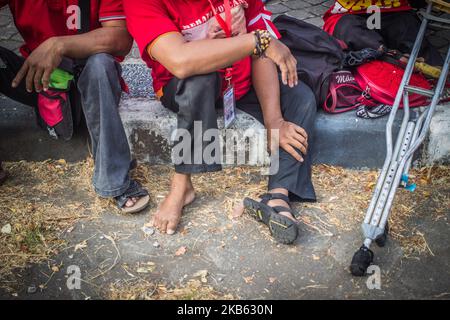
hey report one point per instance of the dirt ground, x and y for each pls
(52, 223)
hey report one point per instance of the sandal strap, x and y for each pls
(274, 196)
(279, 209)
(279, 196)
(135, 190)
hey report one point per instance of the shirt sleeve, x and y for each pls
(146, 21)
(111, 10)
(259, 18)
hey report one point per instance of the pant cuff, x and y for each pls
(112, 193)
(308, 195)
(197, 168)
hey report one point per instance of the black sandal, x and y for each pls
(135, 190)
(283, 229)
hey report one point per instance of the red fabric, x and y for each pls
(382, 80)
(148, 19)
(341, 7)
(50, 108)
(52, 17)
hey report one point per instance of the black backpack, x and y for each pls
(318, 54)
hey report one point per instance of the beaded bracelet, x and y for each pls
(263, 39)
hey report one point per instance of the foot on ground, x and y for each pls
(168, 215)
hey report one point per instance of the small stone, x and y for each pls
(6, 229)
(102, 237)
(31, 289)
(220, 279)
(149, 231)
(156, 244)
(71, 256)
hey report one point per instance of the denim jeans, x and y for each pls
(100, 90)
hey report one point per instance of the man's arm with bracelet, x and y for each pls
(185, 59)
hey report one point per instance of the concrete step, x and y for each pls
(342, 140)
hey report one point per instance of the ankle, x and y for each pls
(181, 183)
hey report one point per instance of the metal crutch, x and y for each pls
(412, 133)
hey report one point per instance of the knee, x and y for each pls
(205, 83)
(100, 64)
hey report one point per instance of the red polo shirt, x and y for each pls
(341, 7)
(38, 20)
(149, 19)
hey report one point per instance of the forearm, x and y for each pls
(267, 88)
(203, 56)
(113, 40)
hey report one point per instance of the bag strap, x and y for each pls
(333, 95)
(85, 8)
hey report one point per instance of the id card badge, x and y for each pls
(229, 107)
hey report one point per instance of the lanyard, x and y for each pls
(226, 26)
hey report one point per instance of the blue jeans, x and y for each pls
(99, 86)
(100, 90)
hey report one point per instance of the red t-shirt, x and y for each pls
(341, 7)
(38, 20)
(148, 19)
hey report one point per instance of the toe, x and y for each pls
(129, 203)
(156, 220)
(172, 227)
(163, 226)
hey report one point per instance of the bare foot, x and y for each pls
(169, 213)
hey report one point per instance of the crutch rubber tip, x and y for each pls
(381, 240)
(361, 261)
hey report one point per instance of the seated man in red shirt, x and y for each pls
(48, 42)
(347, 20)
(180, 42)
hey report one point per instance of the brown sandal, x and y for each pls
(135, 190)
